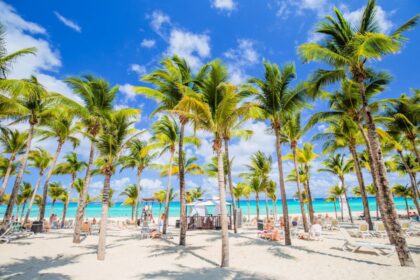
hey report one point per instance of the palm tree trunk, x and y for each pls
(47, 181)
(341, 208)
(266, 206)
(359, 175)
(249, 216)
(347, 199)
(66, 204)
(257, 201)
(23, 211)
(17, 212)
(52, 206)
(19, 177)
(104, 216)
(406, 207)
(390, 214)
(377, 210)
(182, 195)
(31, 202)
(229, 175)
(168, 189)
(223, 216)
(413, 182)
(139, 172)
(335, 210)
(132, 212)
(416, 151)
(301, 202)
(309, 194)
(7, 175)
(83, 197)
(287, 238)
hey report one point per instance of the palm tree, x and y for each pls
(256, 186)
(13, 143)
(64, 197)
(98, 97)
(292, 133)
(71, 166)
(337, 191)
(343, 132)
(238, 192)
(271, 192)
(336, 165)
(55, 191)
(25, 101)
(111, 143)
(197, 193)
(7, 60)
(61, 127)
(275, 99)
(190, 167)
(173, 80)
(139, 157)
(41, 159)
(371, 190)
(349, 49)
(4, 165)
(247, 194)
(132, 197)
(25, 194)
(160, 196)
(79, 186)
(333, 198)
(403, 191)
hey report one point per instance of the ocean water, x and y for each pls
(119, 210)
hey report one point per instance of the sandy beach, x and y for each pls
(53, 256)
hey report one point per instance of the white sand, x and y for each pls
(53, 256)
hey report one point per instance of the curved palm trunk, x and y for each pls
(139, 172)
(23, 210)
(7, 175)
(406, 207)
(19, 177)
(52, 206)
(47, 181)
(335, 210)
(223, 215)
(341, 209)
(309, 195)
(168, 189)
(104, 217)
(257, 201)
(359, 175)
(267, 214)
(301, 202)
(287, 238)
(347, 199)
(83, 197)
(182, 196)
(413, 182)
(393, 227)
(31, 202)
(66, 204)
(229, 175)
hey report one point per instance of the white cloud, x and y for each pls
(54, 85)
(192, 47)
(151, 185)
(139, 69)
(128, 91)
(158, 20)
(12, 20)
(69, 23)
(226, 5)
(383, 22)
(286, 8)
(148, 43)
(240, 58)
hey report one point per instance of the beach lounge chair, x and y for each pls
(363, 231)
(354, 245)
(86, 229)
(145, 230)
(380, 230)
(15, 231)
(334, 225)
(408, 229)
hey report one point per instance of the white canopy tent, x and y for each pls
(202, 208)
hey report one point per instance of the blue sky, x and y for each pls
(121, 42)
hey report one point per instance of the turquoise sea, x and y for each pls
(119, 210)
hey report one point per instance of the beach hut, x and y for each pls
(206, 214)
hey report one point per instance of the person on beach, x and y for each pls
(94, 221)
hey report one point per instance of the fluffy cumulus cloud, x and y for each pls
(69, 23)
(224, 5)
(193, 47)
(158, 20)
(148, 43)
(240, 58)
(128, 91)
(139, 69)
(383, 21)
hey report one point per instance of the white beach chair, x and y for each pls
(354, 245)
(380, 230)
(363, 231)
(334, 225)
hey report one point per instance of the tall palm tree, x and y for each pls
(238, 192)
(336, 165)
(404, 192)
(13, 143)
(64, 197)
(78, 186)
(247, 195)
(4, 165)
(292, 133)
(160, 196)
(349, 49)
(55, 191)
(256, 186)
(98, 97)
(276, 99)
(337, 191)
(190, 167)
(197, 193)
(72, 165)
(41, 159)
(343, 133)
(25, 194)
(333, 198)
(271, 192)
(114, 139)
(61, 127)
(131, 194)
(25, 101)
(139, 157)
(7, 60)
(172, 81)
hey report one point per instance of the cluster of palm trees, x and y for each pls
(207, 101)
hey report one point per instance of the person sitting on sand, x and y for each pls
(154, 233)
(315, 232)
(94, 221)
